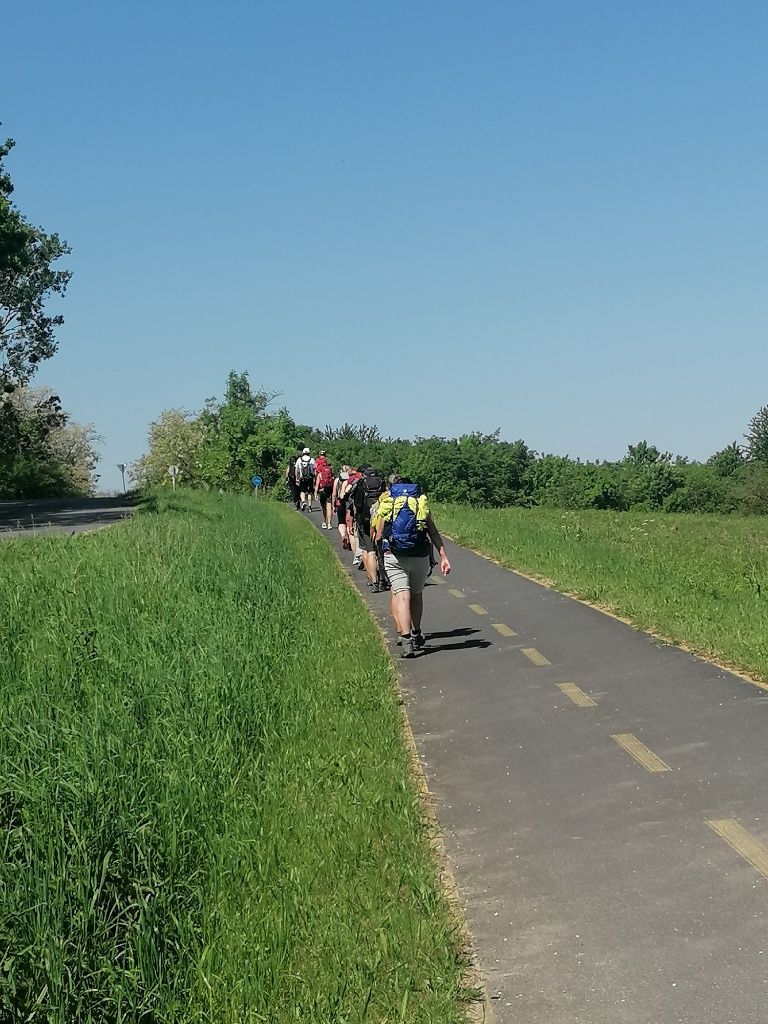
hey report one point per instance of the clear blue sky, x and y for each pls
(438, 217)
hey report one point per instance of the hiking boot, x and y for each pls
(408, 648)
(418, 639)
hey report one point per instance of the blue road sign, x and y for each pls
(256, 481)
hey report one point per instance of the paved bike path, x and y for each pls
(612, 858)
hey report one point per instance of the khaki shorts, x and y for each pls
(406, 572)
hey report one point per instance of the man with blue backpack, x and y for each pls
(407, 532)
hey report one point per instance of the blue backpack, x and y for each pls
(407, 518)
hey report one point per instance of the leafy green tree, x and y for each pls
(43, 453)
(175, 439)
(241, 437)
(728, 461)
(702, 489)
(757, 436)
(751, 489)
(27, 281)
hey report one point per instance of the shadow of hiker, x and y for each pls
(467, 645)
(463, 631)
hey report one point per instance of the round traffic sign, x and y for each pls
(256, 481)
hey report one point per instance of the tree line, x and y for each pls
(43, 452)
(232, 438)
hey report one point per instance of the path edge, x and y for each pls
(476, 1011)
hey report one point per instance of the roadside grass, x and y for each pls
(205, 798)
(701, 580)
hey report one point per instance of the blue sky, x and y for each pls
(550, 218)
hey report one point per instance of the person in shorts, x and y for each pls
(340, 506)
(324, 481)
(407, 572)
(352, 533)
(305, 478)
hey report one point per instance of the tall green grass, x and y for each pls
(697, 579)
(205, 800)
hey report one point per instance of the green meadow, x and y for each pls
(701, 580)
(206, 801)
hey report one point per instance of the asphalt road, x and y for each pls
(604, 803)
(75, 515)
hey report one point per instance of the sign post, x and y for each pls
(173, 472)
(256, 481)
(122, 466)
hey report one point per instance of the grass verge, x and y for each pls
(697, 580)
(205, 797)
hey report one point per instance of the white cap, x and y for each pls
(305, 452)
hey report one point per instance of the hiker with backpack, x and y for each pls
(290, 479)
(364, 497)
(305, 478)
(347, 496)
(340, 506)
(408, 533)
(324, 481)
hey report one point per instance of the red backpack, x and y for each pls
(325, 475)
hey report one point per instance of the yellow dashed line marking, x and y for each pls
(504, 630)
(743, 842)
(641, 753)
(533, 655)
(456, 593)
(478, 609)
(577, 695)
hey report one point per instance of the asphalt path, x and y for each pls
(73, 515)
(604, 804)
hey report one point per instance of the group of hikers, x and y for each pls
(386, 524)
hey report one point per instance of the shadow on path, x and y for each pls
(463, 631)
(467, 645)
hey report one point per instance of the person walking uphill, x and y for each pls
(408, 532)
(305, 478)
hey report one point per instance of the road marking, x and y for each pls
(504, 630)
(641, 753)
(478, 609)
(577, 696)
(456, 593)
(533, 655)
(743, 842)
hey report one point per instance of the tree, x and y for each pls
(728, 461)
(27, 281)
(757, 436)
(241, 437)
(175, 439)
(43, 452)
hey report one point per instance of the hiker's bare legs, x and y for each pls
(401, 611)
